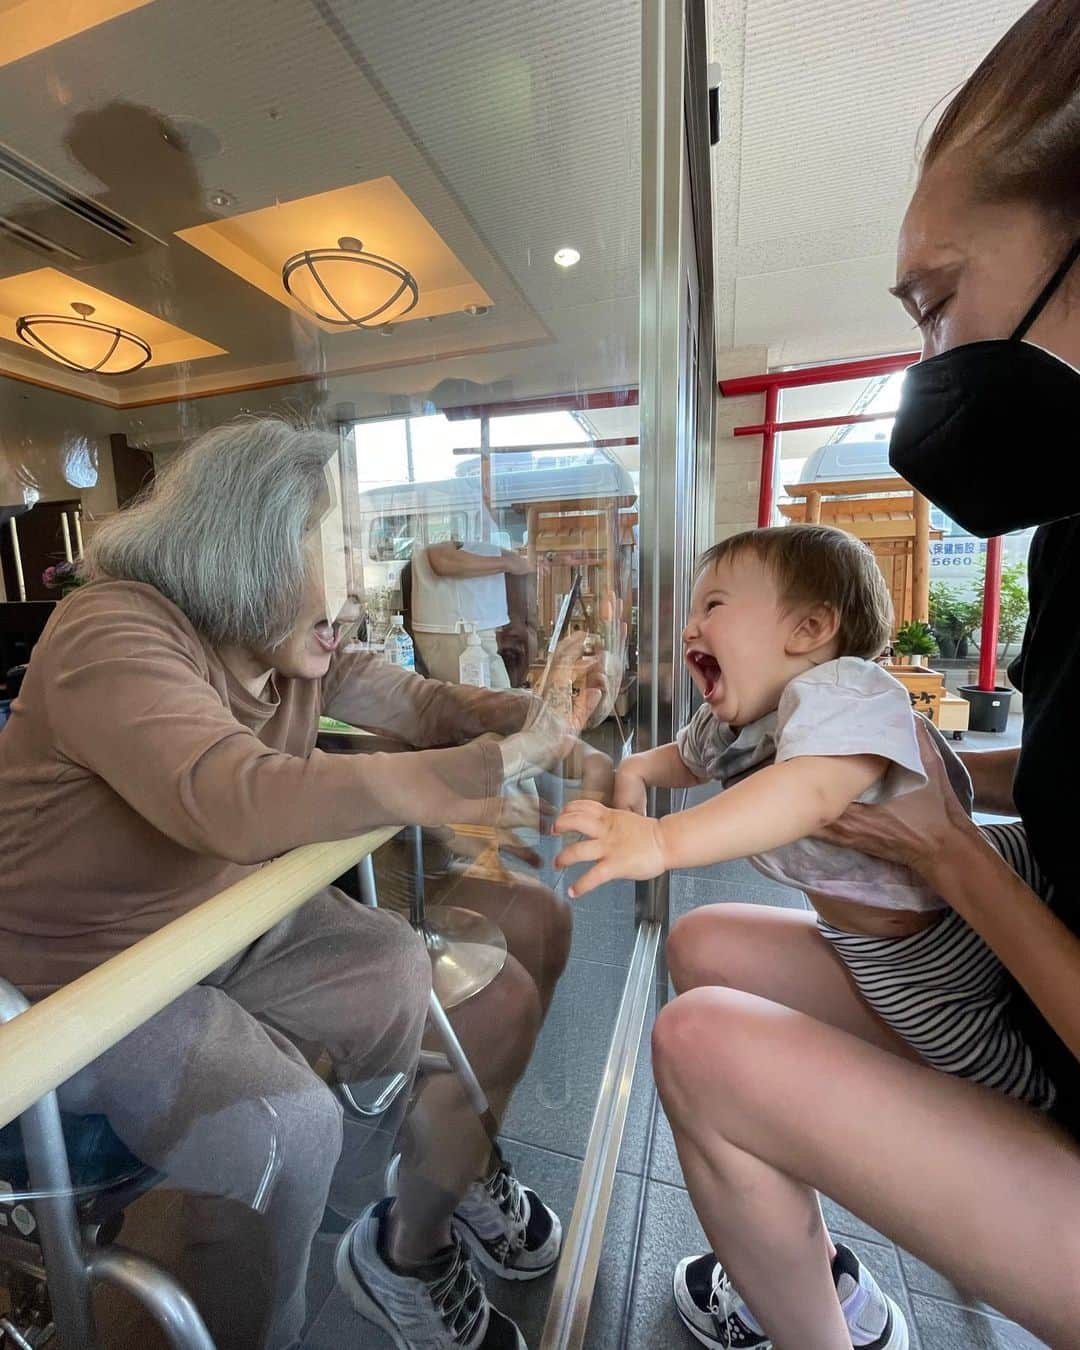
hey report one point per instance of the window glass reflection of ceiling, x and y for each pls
(509, 128)
(28, 26)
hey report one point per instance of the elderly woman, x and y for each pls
(776, 1075)
(163, 747)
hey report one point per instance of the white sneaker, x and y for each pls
(507, 1227)
(441, 1307)
(714, 1314)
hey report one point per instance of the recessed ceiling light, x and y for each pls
(476, 311)
(222, 198)
(567, 257)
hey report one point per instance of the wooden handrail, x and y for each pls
(65, 1032)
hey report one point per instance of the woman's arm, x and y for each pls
(364, 691)
(929, 832)
(773, 807)
(992, 773)
(129, 700)
(1034, 945)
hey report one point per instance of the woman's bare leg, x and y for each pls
(780, 955)
(767, 1103)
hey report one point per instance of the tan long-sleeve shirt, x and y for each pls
(138, 777)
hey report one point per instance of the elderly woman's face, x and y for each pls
(324, 613)
(967, 270)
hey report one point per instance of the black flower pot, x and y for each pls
(989, 709)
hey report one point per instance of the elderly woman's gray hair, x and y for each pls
(222, 531)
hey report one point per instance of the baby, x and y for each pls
(797, 723)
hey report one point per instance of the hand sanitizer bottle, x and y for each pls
(398, 650)
(474, 664)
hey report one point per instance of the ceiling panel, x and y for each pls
(823, 103)
(511, 127)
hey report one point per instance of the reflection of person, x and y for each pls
(774, 1071)
(455, 583)
(162, 748)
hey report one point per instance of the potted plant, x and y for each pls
(953, 620)
(915, 642)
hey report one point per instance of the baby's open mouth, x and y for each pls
(708, 668)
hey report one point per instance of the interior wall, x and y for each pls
(54, 446)
(738, 458)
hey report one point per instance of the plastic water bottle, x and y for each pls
(474, 664)
(398, 649)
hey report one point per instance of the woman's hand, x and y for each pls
(620, 844)
(916, 829)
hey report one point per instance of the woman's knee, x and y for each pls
(708, 1037)
(699, 947)
(304, 1136)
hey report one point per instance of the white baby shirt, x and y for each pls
(844, 707)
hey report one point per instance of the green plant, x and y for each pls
(952, 618)
(1012, 617)
(915, 639)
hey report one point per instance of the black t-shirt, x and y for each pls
(1047, 672)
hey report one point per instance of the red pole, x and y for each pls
(802, 375)
(767, 490)
(811, 423)
(991, 611)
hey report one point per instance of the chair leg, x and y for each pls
(170, 1305)
(70, 1267)
(459, 1062)
(454, 1050)
(58, 1225)
(365, 873)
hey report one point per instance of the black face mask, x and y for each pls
(979, 427)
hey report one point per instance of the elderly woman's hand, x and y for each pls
(916, 829)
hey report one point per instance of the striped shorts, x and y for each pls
(946, 993)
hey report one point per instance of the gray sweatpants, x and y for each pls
(216, 1093)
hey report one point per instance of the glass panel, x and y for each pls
(345, 216)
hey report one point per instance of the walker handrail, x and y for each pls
(66, 1031)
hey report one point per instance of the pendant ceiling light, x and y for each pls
(83, 344)
(349, 287)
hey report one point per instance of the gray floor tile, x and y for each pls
(665, 1161)
(611, 1297)
(604, 924)
(740, 872)
(924, 1279)
(944, 1326)
(554, 1103)
(670, 1231)
(634, 1151)
(691, 892)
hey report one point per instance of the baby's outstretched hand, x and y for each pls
(619, 843)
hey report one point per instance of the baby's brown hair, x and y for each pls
(819, 565)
